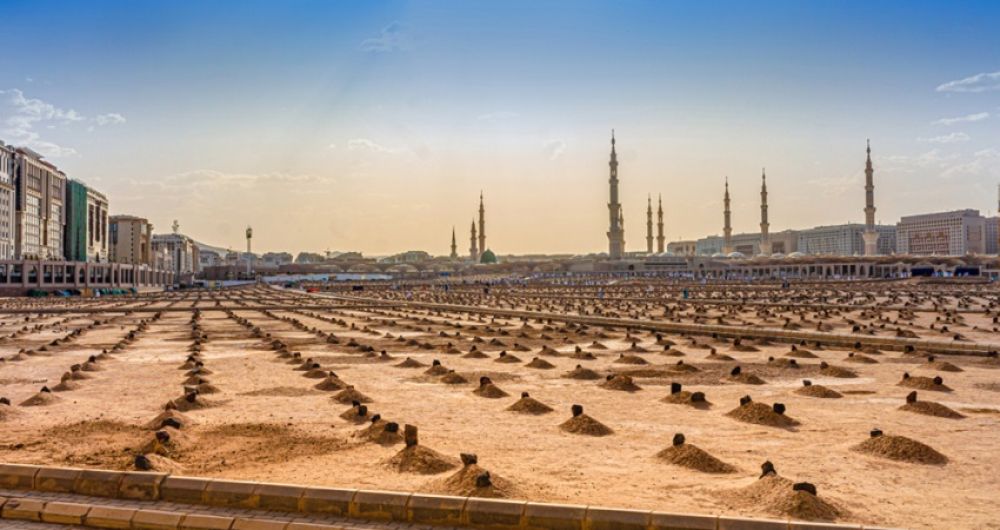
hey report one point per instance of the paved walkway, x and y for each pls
(193, 509)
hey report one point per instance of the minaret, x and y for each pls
(659, 227)
(482, 224)
(727, 227)
(765, 237)
(454, 245)
(649, 224)
(473, 249)
(616, 230)
(870, 236)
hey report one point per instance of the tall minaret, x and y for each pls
(649, 224)
(765, 237)
(659, 227)
(616, 230)
(454, 245)
(870, 236)
(473, 249)
(482, 224)
(727, 227)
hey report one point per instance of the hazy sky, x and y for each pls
(373, 126)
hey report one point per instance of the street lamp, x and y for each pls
(249, 255)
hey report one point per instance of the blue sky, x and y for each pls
(374, 125)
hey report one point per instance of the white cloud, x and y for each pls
(984, 163)
(982, 82)
(979, 116)
(951, 138)
(392, 38)
(112, 118)
(364, 144)
(24, 115)
(555, 149)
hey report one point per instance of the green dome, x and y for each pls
(488, 257)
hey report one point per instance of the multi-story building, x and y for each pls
(86, 230)
(682, 248)
(39, 217)
(7, 170)
(845, 240)
(953, 233)
(181, 250)
(131, 240)
(748, 244)
(992, 235)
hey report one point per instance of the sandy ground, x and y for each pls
(267, 422)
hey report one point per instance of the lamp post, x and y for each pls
(249, 254)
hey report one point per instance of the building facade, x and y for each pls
(992, 235)
(953, 233)
(845, 240)
(40, 189)
(86, 231)
(130, 240)
(179, 252)
(6, 202)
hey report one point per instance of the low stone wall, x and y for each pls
(390, 507)
(840, 340)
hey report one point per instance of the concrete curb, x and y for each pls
(388, 506)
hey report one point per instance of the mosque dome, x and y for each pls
(488, 257)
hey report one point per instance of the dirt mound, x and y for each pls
(42, 398)
(776, 495)
(931, 408)
(620, 382)
(830, 370)
(681, 366)
(684, 397)
(176, 418)
(745, 378)
(92, 443)
(475, 354)
(332, 382)
(66, 384)
(693, 457)
(582, 373)
(453, 378)
(279, 391)
(489, 390)
(941, 366)
(529, 405)
(799, 353)
(7, 412)
(902, 449)
(860, 359)
(192, 401)
(584, 424)
(381, 432)
(818, 391)
(716, 356)
(761, 414)
(920, 382)
(673, 352)
(630, 359)
(505, 357)
(420, 460)
(474, 481)
(158, 463)
(350, 395)
(436, 369)
(410, 362)
(540, 363)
